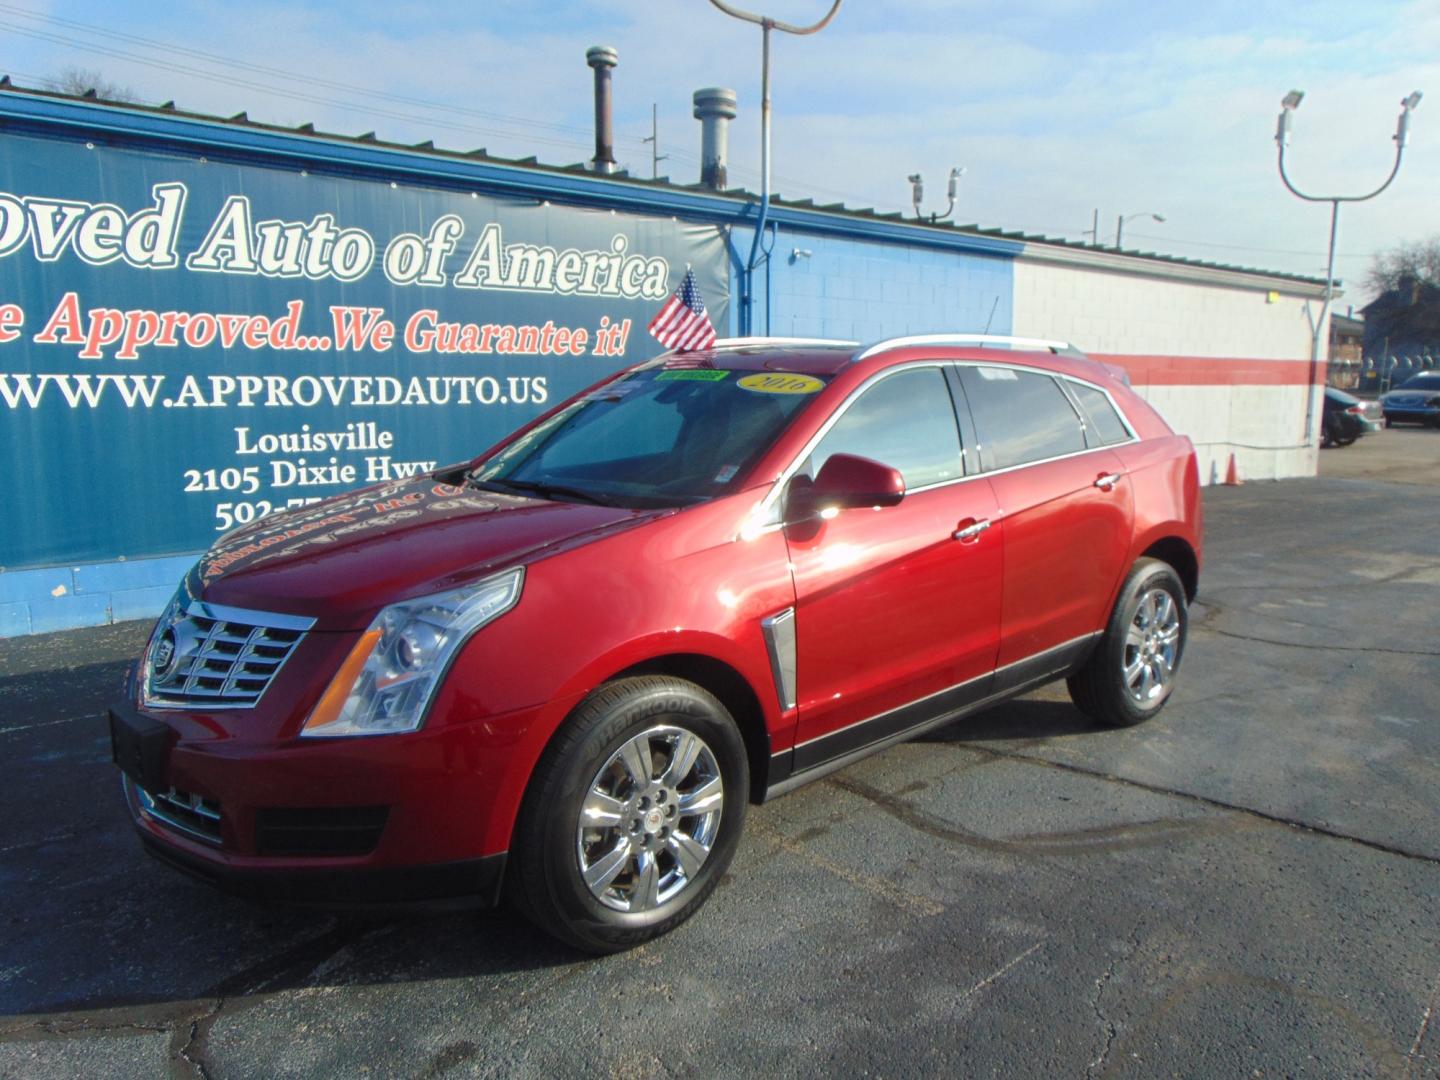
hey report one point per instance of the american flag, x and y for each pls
(682, 323)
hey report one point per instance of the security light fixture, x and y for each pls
(952, 189)
(1288, 104)
(1402, 125)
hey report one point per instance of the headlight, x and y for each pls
(390, 676)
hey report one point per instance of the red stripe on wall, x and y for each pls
(1211, 370)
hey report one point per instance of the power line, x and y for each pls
(1244, 247)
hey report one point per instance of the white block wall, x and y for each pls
(1210, 316)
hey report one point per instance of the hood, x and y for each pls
(1410, 397)
(340, 560)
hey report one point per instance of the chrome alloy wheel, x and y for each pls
(1152, 643)
(649, 819)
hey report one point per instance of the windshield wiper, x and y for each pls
(545, 490)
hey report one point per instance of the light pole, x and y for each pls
(1120, 223)
(1288, 105)
(766, 24)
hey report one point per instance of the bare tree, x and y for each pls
(1418, 260)
(80, 81)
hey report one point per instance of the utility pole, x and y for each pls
(655, 156)
(1094, 231)
(1288, 105)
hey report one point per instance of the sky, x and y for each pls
(1055, 108)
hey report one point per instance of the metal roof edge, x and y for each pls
(47, 113)
(1175, 269)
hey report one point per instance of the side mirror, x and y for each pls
(846, 482)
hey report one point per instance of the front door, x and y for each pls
(897, 616)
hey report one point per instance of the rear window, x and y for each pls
(1104, 421)
(1020, 416)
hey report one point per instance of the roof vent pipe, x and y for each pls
(714, 108)
(602, 58)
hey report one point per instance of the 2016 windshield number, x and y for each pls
(244, 480)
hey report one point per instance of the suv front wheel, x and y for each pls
(632, 816)
(1131, 673)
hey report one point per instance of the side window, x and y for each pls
(1104, 420)
(905, 421)
(1020, 416)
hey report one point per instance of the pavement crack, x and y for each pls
(1107, 1025)
(68, 1028)
(192, 1052)
(1425, 1018)
(1219, 804)
(998, 973)
(1256, 639)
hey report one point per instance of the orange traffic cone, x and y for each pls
(1232, 474)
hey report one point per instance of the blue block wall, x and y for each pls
(864, 290)
(94, 594)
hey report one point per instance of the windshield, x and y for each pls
(1428, 380)
(655, 437)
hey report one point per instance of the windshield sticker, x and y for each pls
(615, 391)
(781, 384)
(998, 374)
(693, 375)
(726, 474)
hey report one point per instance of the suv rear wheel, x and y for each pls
(1129, 676)
(632, 815)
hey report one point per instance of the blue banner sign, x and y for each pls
(189, 345)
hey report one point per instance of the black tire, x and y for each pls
(1100, 689)
(544, 880)
(1346, 441)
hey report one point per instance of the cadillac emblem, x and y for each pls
(164, 658)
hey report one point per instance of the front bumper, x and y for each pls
(1412, 414)
(378, 820)
(465, 883)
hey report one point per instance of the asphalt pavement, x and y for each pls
(1246, 886)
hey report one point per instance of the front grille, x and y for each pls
(217, 658)
(321, 830)
(182, 811)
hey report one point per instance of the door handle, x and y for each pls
(969, 532)
(1107, 481)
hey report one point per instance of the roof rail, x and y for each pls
(1060, 348)
(738, 342)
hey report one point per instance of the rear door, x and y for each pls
(1067, 510)
(896, 617)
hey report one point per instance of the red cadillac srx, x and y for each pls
(560, 671)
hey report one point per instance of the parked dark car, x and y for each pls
(1415, 401)
(562, 670)
(1345, 419)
